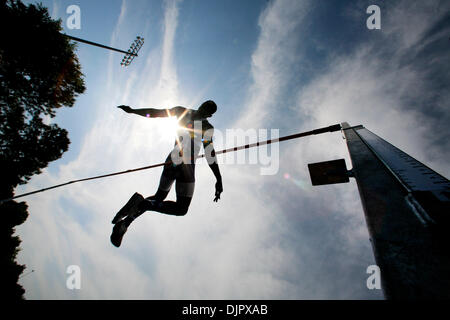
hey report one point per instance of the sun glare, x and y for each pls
(171, 127)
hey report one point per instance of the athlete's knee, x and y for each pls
(183, 205)
(183, 210)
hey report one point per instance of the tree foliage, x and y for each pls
(39, 73)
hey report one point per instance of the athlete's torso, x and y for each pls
(191, 135)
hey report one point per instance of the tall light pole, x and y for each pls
(129, 55)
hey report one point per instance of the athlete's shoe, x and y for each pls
(118, 231)
(130, 208)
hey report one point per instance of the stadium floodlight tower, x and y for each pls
(133, 51)
(129, 55)
(407, 211)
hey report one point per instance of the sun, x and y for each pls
(170, 127)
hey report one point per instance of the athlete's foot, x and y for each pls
(128, 208)
(118, 231)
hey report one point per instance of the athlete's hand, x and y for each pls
(127, 109)
(219, 190)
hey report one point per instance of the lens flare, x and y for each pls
(299, 183)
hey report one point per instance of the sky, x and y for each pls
(289, 65)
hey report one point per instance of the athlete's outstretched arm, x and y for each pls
(212, 162)
(153, 112)
(219, 188)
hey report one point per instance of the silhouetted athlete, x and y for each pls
(195, 131)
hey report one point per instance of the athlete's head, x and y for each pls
(207, 108)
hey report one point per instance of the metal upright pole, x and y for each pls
(404, 204)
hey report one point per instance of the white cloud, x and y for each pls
(272, 60)
(366, 88)
(55, 10)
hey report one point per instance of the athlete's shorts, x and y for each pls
(183, 175)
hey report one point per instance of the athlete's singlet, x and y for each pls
(193, 132)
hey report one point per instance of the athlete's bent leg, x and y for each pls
(165, 184)
(184, 190)
(178, 208)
